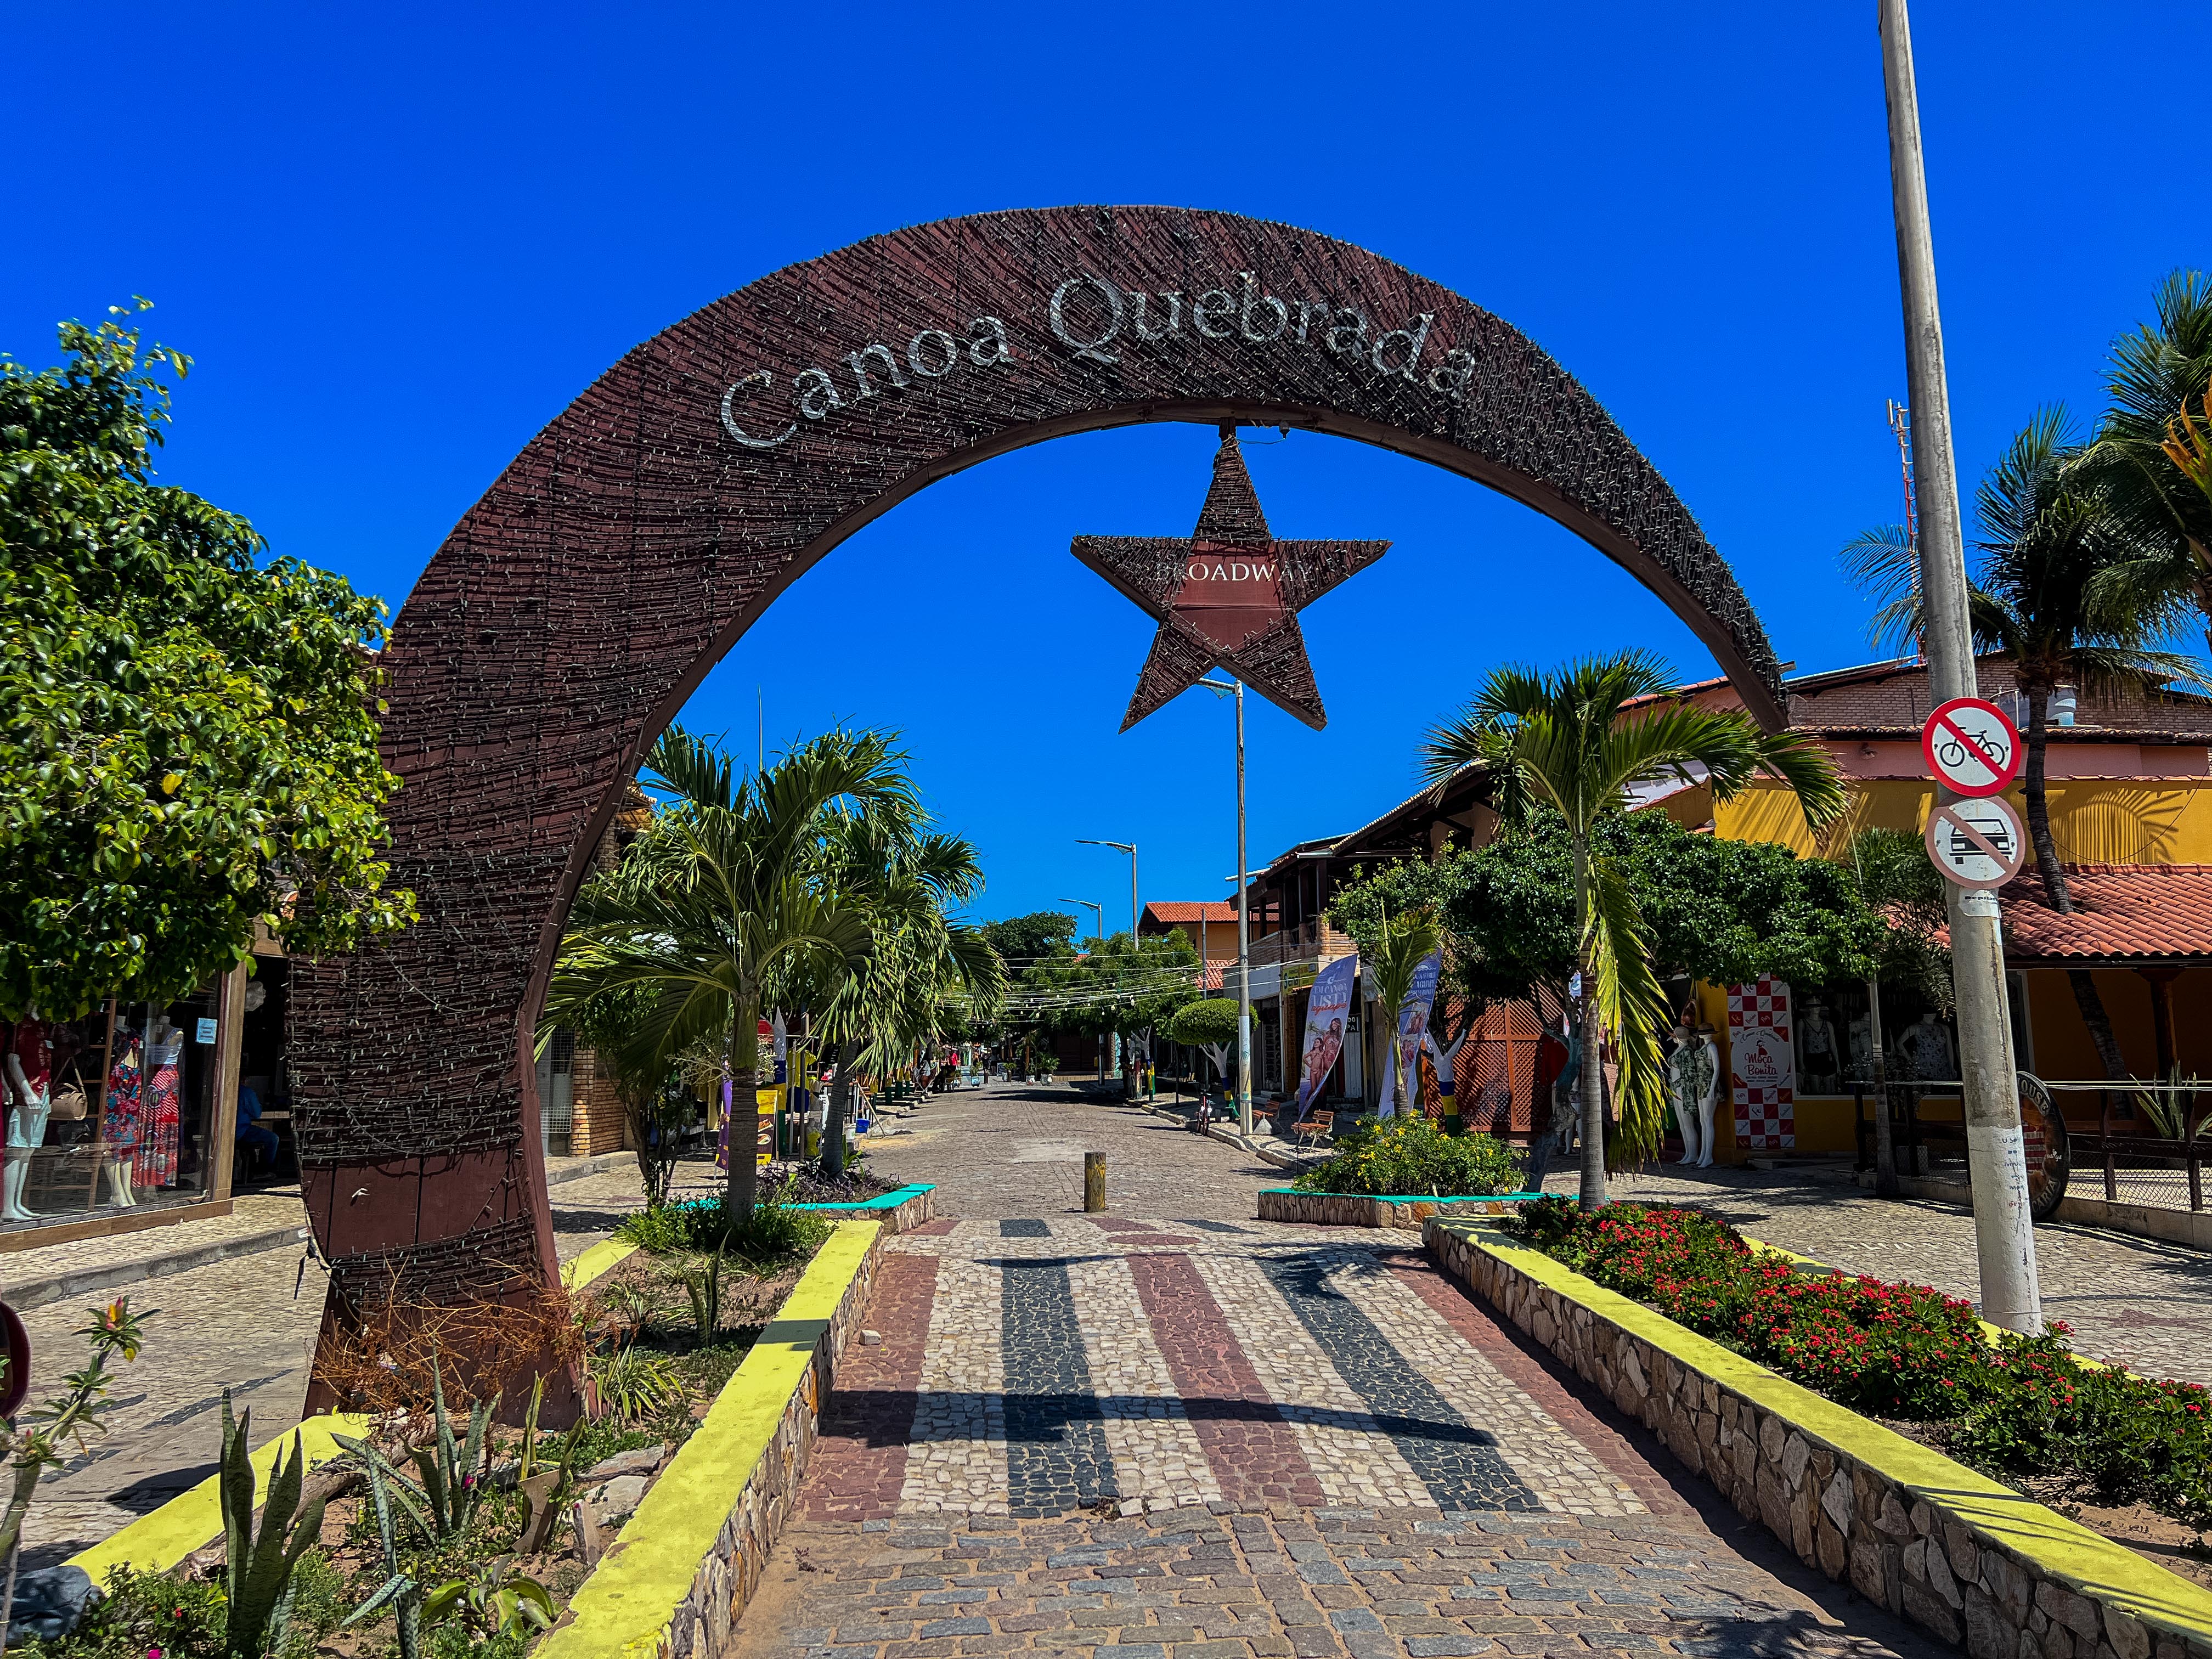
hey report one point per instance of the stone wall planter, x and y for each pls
(674, 1582)
(899, 1210)
(1359, 1210)
(1964, 1558)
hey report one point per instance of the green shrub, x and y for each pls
(634, 1382)
(1408, 1155)
(142, 1612)
(776, 1233)
(2022, 1404)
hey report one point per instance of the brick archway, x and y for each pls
(575, 608)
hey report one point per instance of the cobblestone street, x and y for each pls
(1016, 1150)
(2136, 1300)
(1203, 1436)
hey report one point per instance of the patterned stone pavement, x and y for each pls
(2138, 1301)
(1098, 1437)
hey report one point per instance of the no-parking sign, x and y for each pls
(1979, 844)
(1971, 745)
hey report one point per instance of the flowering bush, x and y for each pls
(1408, 1155)
(2021, 1404)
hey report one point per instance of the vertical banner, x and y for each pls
(1413, 1027)
(1328, 1015)
(1763, 1065)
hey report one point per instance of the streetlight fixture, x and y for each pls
(1223, 688)
(1130, 847)
(1100, 911)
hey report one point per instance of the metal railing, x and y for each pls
(2149, 1145)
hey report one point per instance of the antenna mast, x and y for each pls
(1900, 422)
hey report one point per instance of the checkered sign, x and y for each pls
(1763, 1065)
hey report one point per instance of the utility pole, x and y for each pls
(1125, 1047)
(2004, 1234)
(1244, 925)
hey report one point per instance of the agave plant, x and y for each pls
(452, 1471)
(399, 1591)
(257, 1571)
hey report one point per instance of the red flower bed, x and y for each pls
(2021, 1404)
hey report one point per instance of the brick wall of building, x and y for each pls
(599, 1126)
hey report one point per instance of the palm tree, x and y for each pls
(2149, 460)
(2054, 593)
(722, 904)
(1399, 949)
(1570, 738)
(922, 960)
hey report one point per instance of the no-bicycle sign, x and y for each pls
(1971, 745)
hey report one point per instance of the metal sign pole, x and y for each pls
(2004, 1236)
(1243, 944)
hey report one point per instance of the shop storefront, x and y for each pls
(143, 1113)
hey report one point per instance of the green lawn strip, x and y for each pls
(2054, 1546)
(625, 1606)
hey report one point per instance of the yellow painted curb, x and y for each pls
(2084, 1561)
(625, 1605)
(602, 1257)
(156, 1542)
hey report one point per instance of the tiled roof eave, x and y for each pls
(2060, 735)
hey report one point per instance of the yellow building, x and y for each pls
(2130, 795)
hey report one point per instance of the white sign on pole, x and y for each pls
(1977, 843)
(1971, 745)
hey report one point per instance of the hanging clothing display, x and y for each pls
(155, 1164)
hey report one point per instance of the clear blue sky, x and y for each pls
(400, 240)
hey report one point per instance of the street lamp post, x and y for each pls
(1244, 928)
(2004, 1236)
(1100, 911)
(1129, 1072)
(1130, 847)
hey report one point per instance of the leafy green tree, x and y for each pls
(715, 902)
(2053, 593)
(1892, 874)
(1721, 911)
(1570, 741)
(187, 744)
(1022, 942)
(1120, 987)
(1210, 1027)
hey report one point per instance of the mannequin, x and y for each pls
(119, 1123)
(1821, 1065)
(1926, 1047)
(1694, 1075)
(30, 1076)
(155, 1164)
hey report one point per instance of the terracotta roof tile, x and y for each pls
(2121, 912)
(1173, 911)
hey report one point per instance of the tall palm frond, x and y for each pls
(1580, 740)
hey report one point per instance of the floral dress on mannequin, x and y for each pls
(156, 1163)
(119, 1127)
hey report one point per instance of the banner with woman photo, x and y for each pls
(1328, 1016)
(1412, 1026)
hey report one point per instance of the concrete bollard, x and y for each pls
(1094, 1183)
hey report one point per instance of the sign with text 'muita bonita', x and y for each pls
(1763, 1065)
